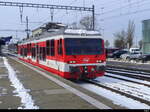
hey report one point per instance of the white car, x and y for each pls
(131, 56)
(134, 50)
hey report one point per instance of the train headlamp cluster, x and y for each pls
(72, 62)
(99, 61)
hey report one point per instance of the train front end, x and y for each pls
(85, 57)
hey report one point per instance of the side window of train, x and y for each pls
(44, 53)
(30, 47)
(33, 52)
(26, 52)
(40, 53)
(48, 47)
(52, 47)
(60, 47)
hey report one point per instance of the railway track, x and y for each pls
(115, 90)
(129, 73)
(115, 77)
(94, 82)
(129, 70)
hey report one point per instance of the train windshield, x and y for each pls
(86, 46)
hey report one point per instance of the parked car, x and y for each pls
(144, 57)
(134, 50)
(131, 56)
(110, 51)
(118, 53)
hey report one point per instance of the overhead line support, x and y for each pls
(18, 4)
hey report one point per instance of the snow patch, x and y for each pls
(116, 98)
(128, 78)
(81, 31)
(137, 90)
(26, 99)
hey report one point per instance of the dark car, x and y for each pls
(110, 51)
(118, 53)
(145, 57)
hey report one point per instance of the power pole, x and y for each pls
(52, 14)
(27, 26)
(93, 16)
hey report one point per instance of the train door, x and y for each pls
(59, 49)
(59, 54)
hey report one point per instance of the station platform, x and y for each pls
(47, 90)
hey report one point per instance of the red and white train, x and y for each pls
(72, 54)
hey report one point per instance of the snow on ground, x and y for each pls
(125, 72)
(132, 79)
(26, 99)
(116, 98)
(139, 63)
(137, 90)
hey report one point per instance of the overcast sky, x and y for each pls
(111, 15)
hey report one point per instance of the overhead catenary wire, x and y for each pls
(109, 2)
(125, 14)
(11, 30)
(56, 12)
(118, 9)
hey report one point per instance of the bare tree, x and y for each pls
(107, 43)
(130, 33)
(74, 25)
(86, 22)
(124, 39)
(120, 41)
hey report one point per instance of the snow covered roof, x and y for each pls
(81, 31)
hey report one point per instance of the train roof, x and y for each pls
(58, 29)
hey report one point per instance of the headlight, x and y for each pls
(72, 62)
(99, 61)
